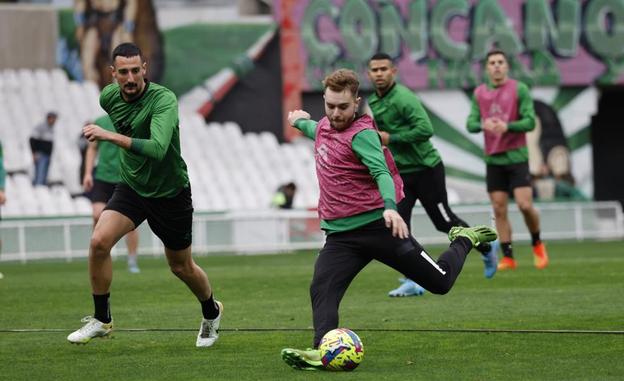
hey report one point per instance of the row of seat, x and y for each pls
(228, 169)
(25, 98)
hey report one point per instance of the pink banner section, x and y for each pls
(442, 44)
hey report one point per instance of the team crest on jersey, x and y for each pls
(495, 109)
(322, 151)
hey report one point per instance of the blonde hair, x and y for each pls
(341, 80)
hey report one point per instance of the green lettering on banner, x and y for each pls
(606, 37)
(441, 15)
(541, 32)
(393, 30)
(544, 68)
(433, 75)
(615, 68)
(518, 71)
(319, 53)
(603, 40)
(358, 27)
(459, 74)
(490, 26)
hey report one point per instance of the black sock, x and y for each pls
(507, 251)
(102, 308)
(209, 308)
(535, 238)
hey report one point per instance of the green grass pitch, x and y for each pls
(267, 308)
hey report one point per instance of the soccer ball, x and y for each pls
(341, 349)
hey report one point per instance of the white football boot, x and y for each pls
(92, 328)
(209, 329)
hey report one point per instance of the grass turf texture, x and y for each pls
(581, 290)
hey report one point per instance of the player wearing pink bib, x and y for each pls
(359, 190)
(503, 110)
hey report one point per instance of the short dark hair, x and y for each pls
(127, 49)
(381, 56)
(341, 80)
(494, 52)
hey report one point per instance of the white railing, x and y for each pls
(274, 231)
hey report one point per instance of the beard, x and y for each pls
(131, 90)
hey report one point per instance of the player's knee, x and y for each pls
(100, 245)
(500, 210)
(524, 206)
(180, 270)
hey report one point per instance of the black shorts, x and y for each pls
(506, 178)
(171, 219)
(102, 191)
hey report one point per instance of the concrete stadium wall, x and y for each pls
(28, 36)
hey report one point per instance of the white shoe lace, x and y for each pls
(90, 326)
(207, 328)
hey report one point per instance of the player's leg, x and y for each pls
(171, 219)
(184, 267)
(408, 287)
(336, 265)
(132, 244)
(111, 226)
(437, 276)
(500, 202)
(431, 188)
(97, 209)
(405, 206)
(101, 193)
(498, 186)
(433, 196)
(524, 200)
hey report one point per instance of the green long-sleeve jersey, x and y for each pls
(108, 155)
(525, 123)
(153, 166)
(400, 113)
(367, 148)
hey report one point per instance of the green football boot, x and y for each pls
(309, 359)
(476, 234)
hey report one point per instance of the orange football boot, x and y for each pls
(540, 256)
(507, 263)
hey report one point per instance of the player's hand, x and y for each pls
(500, 126)
(87, 182)
(395, 222)
(385, 138)
(488, 124)
(2, 197)
(295, 115)
(94, 132)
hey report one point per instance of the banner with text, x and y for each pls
(442, 44)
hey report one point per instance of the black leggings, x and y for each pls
(346, 254)
(429, 186)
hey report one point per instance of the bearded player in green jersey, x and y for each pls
(154, 186)
(406, 129)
